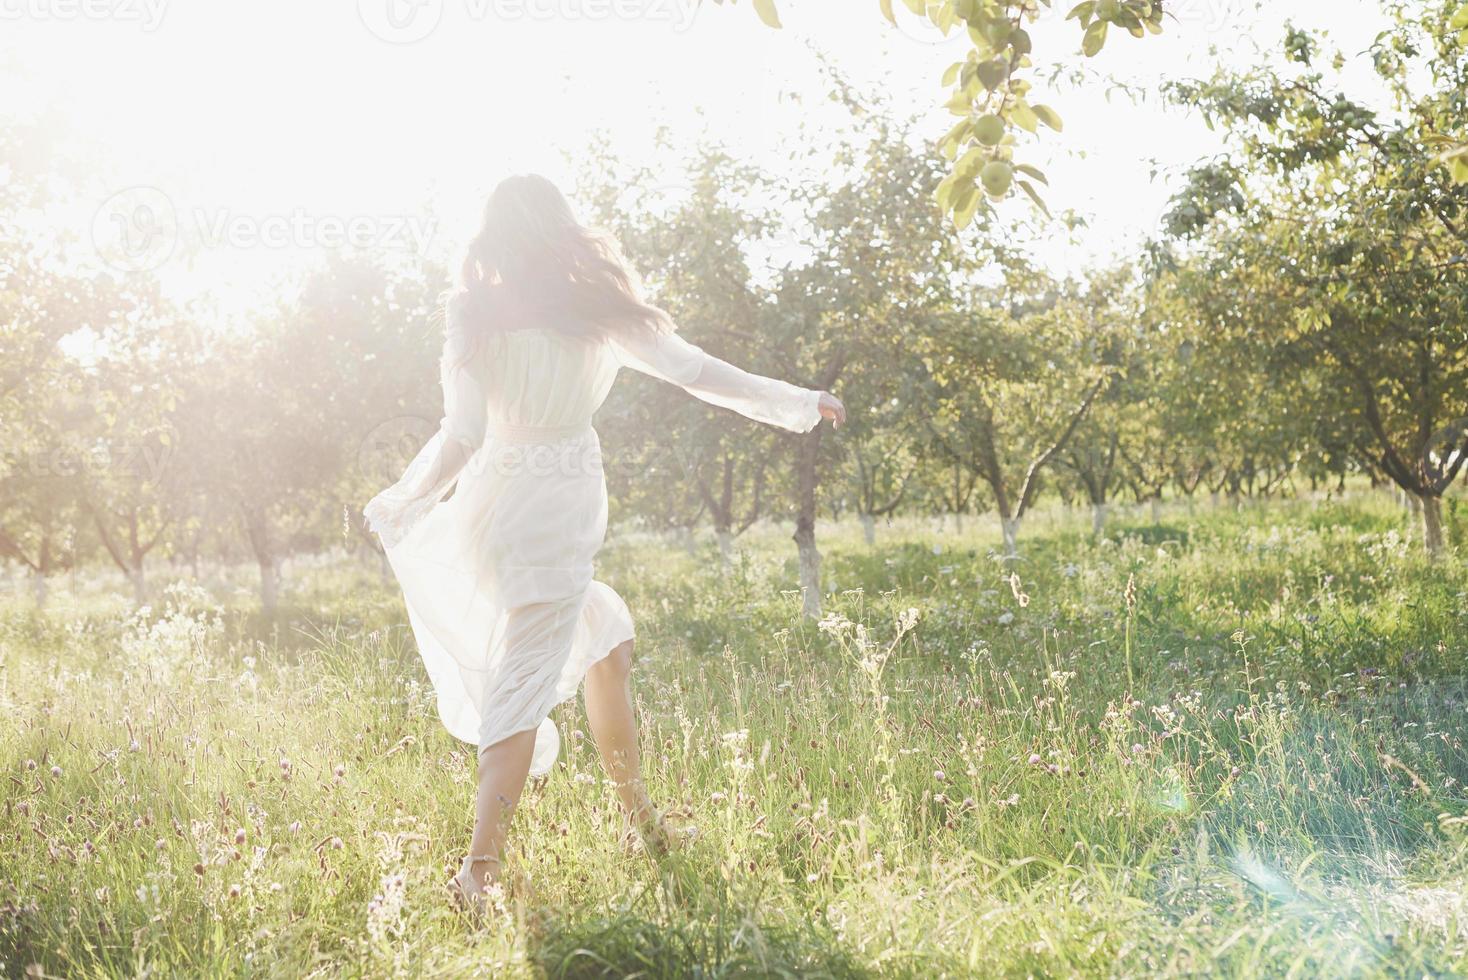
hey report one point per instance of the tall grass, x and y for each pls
(1249, 761)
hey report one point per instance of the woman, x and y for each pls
(497, 577)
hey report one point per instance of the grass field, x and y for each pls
(1230, 743)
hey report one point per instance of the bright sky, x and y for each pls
(266, 130)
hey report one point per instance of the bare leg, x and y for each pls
(614, 725)
(503, 768)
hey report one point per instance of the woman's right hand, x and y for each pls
(831, 408)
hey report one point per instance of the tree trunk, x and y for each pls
(39, 588)
(958, 522)
(805, 524)
(1010, 528)
(140, 584)
(1098, 519)
(869, 529)
(725, 537)
(1432, 524)
(269, 586)
(257, 529)
(1156, 510)
(810, 567)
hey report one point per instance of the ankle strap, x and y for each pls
(481, 858)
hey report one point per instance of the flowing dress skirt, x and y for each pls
(499, 588)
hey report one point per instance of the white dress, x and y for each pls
(497, 577)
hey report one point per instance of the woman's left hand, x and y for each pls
(831, 408)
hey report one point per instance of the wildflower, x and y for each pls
(56, 772)
(30, 765)
(240, 836)
(1035, 759)
(939, 776)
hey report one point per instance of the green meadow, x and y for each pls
(1223, 741)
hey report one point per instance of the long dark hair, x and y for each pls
(533, 261)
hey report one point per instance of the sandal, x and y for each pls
(652, 833)
(467, 894)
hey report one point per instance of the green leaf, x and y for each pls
(966, 207)
(1082, 10)
(892, 17)
(1034, 195)
(767, 12)
(993, 73)
(1460, 18)
(955, 138)
(1030, 171)
(1049, 117)
(969, 166)
(1024, 117)
(1095, 39)
(951, 75)
(951, 188)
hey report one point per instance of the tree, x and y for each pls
(1330, 244)
(1011, 384)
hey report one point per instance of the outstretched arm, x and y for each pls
(395, 511)
(670, 358)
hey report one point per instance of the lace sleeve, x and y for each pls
(670, 358)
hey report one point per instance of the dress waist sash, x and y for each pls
(533, 434)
